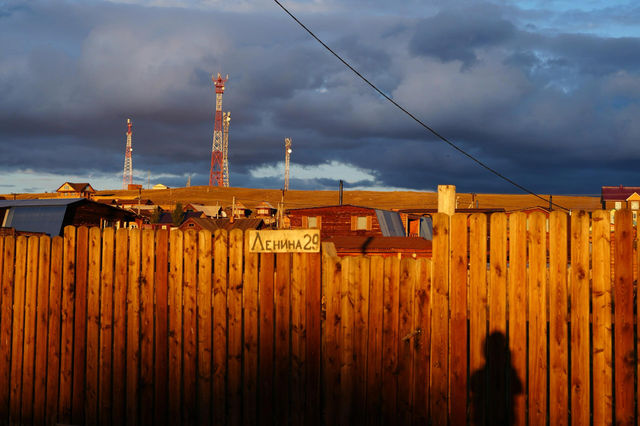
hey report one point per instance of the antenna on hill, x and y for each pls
(287, 156)
(127, 174)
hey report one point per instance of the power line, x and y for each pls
(416, 119)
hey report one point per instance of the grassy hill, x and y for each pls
(387, 200)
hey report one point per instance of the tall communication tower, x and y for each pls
(127, 174)
(226, 120)
(217, 151)
(287, 155)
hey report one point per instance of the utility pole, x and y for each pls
(287, 155)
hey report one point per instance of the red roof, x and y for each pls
(618, 193)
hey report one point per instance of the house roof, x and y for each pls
(618, 193)
(77, 187)
(367, 245)
(166, 218)
(265, 205)
(225, 223)
(207, 210)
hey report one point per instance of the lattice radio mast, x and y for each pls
(226, 120)
(127, 174)
(217, 150)
(287, 155)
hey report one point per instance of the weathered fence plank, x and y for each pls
(220, 327)
(18, 329)
(348, 295)
(54, 324)
(40, 378)
(204, 298)
(390, 296)
(518, 291)
(440, 320)
(580, 383)
(147, 280)
(332, 281)
(422, 345)
(623, 318)
(175, 298)
(267, 335)
(360, 333)
(161, 327)
(80, 326)
(298, 317)
(601, 352)
(93, 327)
(8, 257)
(458, 323)
(189, 343)
(251, 335)
(407, 336)
(374, 343)
(133, 330)
(282, 340)
(66, 354)
(106, 325)
(313, 339)
(234, 309)
(558, 329)
(120, 325)
(29, 348)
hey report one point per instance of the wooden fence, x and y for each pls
(143, 327)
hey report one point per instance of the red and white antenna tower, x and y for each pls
(127, 174)
(226, 120)
(217, 150)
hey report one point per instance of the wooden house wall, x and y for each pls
(336, 221)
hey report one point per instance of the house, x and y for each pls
(265, 209)
(75, 190)
(620, 197)
(348, 220)
(51, 215)
(237, 210)
(208, 211)
(213, 225)
(166, 220)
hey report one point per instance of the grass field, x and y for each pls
(387, 200)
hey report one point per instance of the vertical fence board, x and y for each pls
(602, 333)
(66, 355)
(266, 350)
(8, 257)
(93, 328)
(80, 326)
(189, 365)
(106, 325)
(120, 325)
(518, 294)
(161, 327)
(390, 314)
(623, 317)
(313, 339)
(234, 309)
(374, 343)
(332, 279)
(348, 294)
(176, 250)
(30, 304)
(440, 320)
(220, 327)
(580, 383)
(40, 378)
(53, 332)
(282, 306)
(298, 310)
(421, 357)
(458, 323)
(361, 324)
(537, 320)
(205, 258)
(146, 326)
(478, 314)
(250, 302)
(558, 330)
(133, 328)
(407, 336)
(18, 329)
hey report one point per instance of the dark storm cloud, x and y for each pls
(540, 105)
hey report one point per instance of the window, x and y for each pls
(618, 205)
(311, 222)
(635, 205)
(361, 223)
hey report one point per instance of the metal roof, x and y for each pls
(390, 223)
(40, 202)
(48, 219)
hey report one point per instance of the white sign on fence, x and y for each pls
(284, 241)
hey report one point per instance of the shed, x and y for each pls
(50, 216)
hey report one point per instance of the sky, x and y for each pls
(547, 93)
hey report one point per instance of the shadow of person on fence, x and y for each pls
(495, 385)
